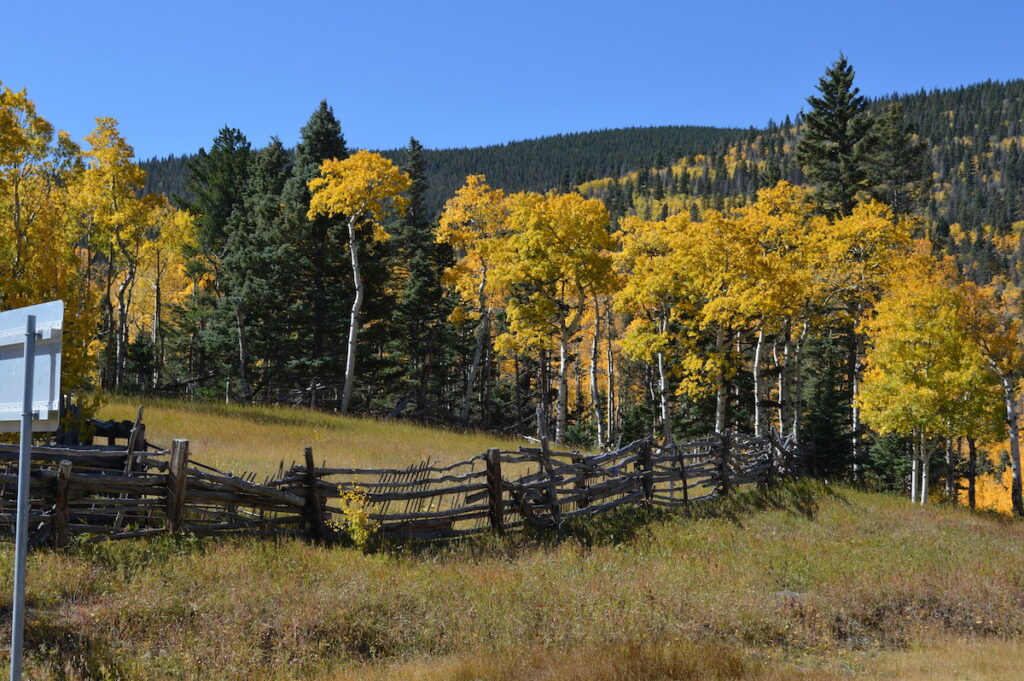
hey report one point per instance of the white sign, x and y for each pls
(46, 379)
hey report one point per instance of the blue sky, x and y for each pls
(470, 73)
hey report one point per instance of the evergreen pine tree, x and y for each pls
(830, 143)
(257, 270)
(319, 311)
(419, 332)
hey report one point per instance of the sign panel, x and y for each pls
(46, 383)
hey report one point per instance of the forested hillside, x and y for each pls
(979, 173)
(558, 161)
(973, 136)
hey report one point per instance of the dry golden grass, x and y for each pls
(792, 583)
(954, 659)
(236, 438)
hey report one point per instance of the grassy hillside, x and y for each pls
(236, 439)
(799, 582)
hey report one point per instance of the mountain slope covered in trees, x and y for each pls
(979, 173)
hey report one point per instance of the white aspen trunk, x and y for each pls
(666, 415)
(595, 396)
(722, 398)
(914, 474)
(121, 333)
(758, 418)
(156, 335)
(482, 331)
(924, 468)
(854, 406)
(353, 329)
(610, 383)
(1013, 430)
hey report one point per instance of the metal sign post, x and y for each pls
(44, 323)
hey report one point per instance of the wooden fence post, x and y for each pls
(177, 479)
(581, 482)
(495, 491)
(61, 532)
(724, 484)
(643, 463)
(682, 474)
(313, 522)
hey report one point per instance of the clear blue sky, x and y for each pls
(469, 73)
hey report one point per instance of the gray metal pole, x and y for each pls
(21, 536)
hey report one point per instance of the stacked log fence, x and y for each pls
(138, 490)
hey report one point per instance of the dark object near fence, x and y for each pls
(120, 493)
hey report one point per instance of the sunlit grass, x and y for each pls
(238, 438)
(798, 583)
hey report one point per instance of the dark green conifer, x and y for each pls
(830, 142)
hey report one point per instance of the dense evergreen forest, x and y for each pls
(978, 171)
(559, 161)
(845, 281)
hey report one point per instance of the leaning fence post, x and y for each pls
(61, 531)
(682, 473)
(313, 522)
(725, 485)
(495, 491)
(177, 477)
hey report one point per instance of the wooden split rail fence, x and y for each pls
(121, 493)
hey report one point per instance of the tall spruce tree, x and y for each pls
(420, 334)
(830, 147)
(257, 270)
(318, 312)
(216, 182)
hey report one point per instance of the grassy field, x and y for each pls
(797, 582)
(236, 438)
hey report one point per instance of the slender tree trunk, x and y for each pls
(1012, 414)
(972, 472)
(758, 418)
(612, 405)
(595, 396)
(482, 332)
(121, 334)
(157, 336)
(722, 398)
(950, 472)
(353, 329)
(542, 406)
(925, 467)
(666, 415)
(854, 369)
(915, 472)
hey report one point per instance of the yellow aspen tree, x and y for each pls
(558, 257)
(925, 377)
(775, 290)
(41, 257)
(162, 266)
(365, 188)
(991, 315)
(651, 295)
(472, 223)
(117, 219)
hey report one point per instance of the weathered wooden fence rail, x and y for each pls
(119, 493)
